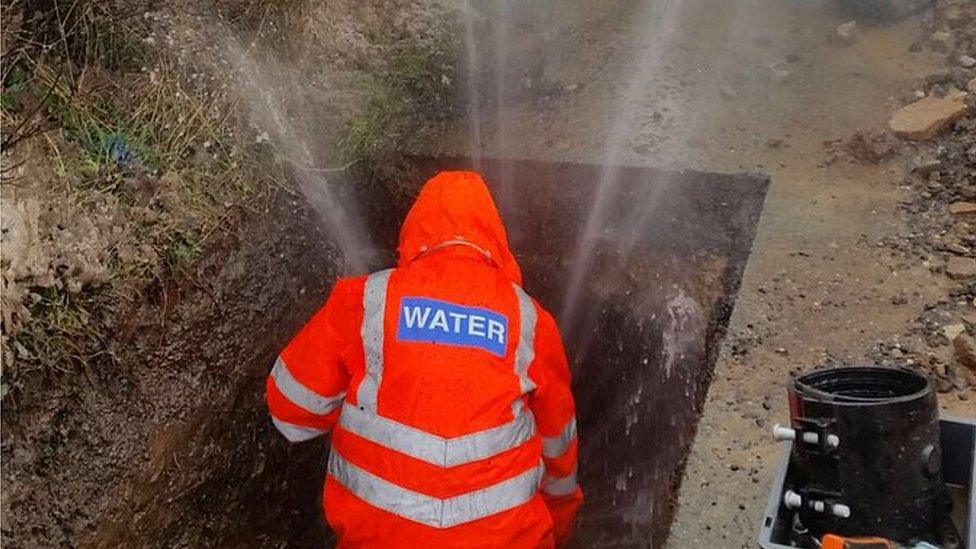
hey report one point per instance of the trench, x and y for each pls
(660, 287)
(657, 298)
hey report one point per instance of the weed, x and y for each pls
(156, 162)
(62, 334)
(15, 82)
(418, 86)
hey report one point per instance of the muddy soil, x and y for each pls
(159, 452)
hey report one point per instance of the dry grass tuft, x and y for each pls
(119, 172)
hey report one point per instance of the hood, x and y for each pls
(456, 209)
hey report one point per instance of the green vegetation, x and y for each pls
(141, 171)
(138, 170)
(417, 88)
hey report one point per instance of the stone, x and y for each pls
(971, 86)
(965, 347)
(952, 331)
(960, 268)
(963, 209)
(967, 61)
(928, 117)
(845, 34)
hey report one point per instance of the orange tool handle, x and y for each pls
(833, 541)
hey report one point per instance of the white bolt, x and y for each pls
(817, 506)
(792, 500)
(810, 437)
(781, 433)
(833, 441)
(840, 510)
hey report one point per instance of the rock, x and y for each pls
(959, 382)
(952, 331)
(965, 347)
(971, 86)
(926, 118)
(845, 34)
(963, 209)
(959, 268)
(967, 61)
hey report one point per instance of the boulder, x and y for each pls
(926, 118)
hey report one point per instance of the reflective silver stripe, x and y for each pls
(525, 353)
(445, 452)
(560, 486)
(296, 433)
(374, 311)
(435, 512)
(301, 395)
(553, 447)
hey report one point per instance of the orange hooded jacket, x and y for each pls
(447, 388)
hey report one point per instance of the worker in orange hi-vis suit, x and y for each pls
(447, 387)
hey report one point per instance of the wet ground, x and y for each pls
(744, 86)
(173, 448)
(650, 317)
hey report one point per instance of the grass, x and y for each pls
(418, 87)
(61, 333)
(162, 157)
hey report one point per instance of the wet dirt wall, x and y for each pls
(659, 288)
(171, 446)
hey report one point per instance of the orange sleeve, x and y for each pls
(554, 409)
(308, 382)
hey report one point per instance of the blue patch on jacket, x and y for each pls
(435, 321)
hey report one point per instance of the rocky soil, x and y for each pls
(940, 204)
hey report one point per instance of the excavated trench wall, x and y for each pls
(659, 288)
(197, 463)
